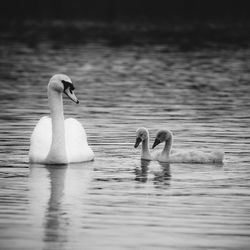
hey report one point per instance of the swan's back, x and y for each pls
(196, 156)
(40, 141)
(77, 147)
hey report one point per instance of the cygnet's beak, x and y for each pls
(156, 142)
(71, 95)
(137, 142)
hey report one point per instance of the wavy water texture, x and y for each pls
(117, 201)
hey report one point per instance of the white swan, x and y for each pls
(142, 135)
(188, 156)
(55, 140)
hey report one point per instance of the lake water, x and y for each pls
(117, 201)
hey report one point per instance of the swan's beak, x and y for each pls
(71, 95)
(156, 142)
(137, 142)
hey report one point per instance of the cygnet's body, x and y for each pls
(187, 156)
(55, 140)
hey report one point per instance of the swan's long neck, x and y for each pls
(145, 154)
(57, 153)
(167, 148)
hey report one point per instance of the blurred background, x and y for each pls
(117, 9)
(182, 21)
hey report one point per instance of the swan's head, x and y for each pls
(141, 135)
(62, 84)
(161, 136)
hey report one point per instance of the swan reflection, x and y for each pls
(159, 170)
(141, 173)
(163, 177)
(58, 194)
(56, 222)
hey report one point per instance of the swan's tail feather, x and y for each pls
(218, 156)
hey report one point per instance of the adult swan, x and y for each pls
(55, 140)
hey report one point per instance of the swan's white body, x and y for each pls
(77, 148)
(185, 156)
(55, 140)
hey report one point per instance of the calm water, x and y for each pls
(117, 201)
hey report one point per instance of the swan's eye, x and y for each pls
(68, 85)
(142, 135)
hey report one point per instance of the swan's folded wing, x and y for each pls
(40, 140)
(74, 131)
(76, 142)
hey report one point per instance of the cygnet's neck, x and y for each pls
(167, 148)
(57, 152)
(145, 154)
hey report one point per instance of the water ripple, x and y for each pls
(117, 201)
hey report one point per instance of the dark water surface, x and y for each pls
(117, 201)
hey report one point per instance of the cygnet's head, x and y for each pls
(141, 135)
(161, 136)
(61, 83)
